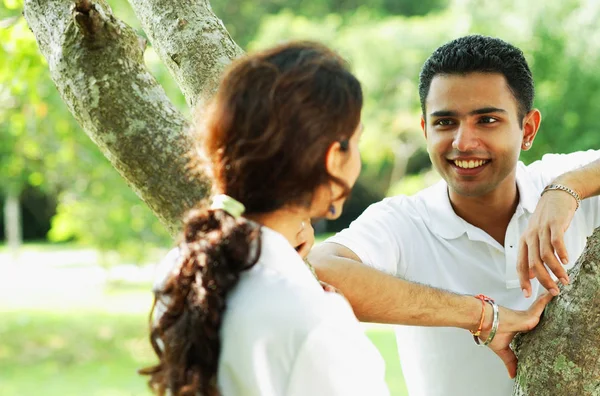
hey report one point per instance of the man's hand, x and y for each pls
(511, 323)
(543, 242)
(305, 239)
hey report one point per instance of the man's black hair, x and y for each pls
(481, 54)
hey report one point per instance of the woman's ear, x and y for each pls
(334, 159)
(344, 145)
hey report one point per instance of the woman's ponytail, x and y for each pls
(216, 248)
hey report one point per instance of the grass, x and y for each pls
(96, 349)
(48, 353)
(71, 339)
(97, 354)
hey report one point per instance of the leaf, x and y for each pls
(13, 4)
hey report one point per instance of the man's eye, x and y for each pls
(444, 122)
(488, 120)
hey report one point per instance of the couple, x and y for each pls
(239, 312)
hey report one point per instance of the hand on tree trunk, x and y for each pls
(512, 322)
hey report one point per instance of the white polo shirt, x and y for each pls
(283, 335)
(421, 239)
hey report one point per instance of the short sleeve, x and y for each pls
(337, 359)
(553, 165)
(374, 237)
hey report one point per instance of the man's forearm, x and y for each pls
(382, 298)
(584, 180)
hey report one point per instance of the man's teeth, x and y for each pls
(469, 164)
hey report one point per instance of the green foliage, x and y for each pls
(244, 18)
(23, 107)
(568, 83)
(101, 210)
(412, 184)
(386, 42)
(563, 63)
(386, 54)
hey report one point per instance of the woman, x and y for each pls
(240, 312)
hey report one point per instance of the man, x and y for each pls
(463, 234)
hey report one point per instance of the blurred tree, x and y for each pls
(42, 149)
(23, 108)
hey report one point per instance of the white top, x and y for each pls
(283, 335)
(421, 239)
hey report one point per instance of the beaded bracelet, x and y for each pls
(483, 299)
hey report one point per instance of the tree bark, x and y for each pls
(191, 41)
(561, 356)
(96, 62)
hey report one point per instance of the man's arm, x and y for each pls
(543, 240)
(379, 297)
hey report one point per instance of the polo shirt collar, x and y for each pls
(444, 222)
(528, 194)
(442, 219)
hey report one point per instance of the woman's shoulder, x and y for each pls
(266, 304)
(269, 295)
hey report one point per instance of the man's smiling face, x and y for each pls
(473, 131)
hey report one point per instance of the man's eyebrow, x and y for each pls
(444, 113)
(486, 110)
(483, 110)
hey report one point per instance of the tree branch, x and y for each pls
(191, 41)
(97, 65)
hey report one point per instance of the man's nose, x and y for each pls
(465, 139)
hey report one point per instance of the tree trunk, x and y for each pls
(561, 356)
(96, 62)
(12, 224)
(191, 41)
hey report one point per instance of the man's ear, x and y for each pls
(531, 125)
(424, 127)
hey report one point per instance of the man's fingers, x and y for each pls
(549, 258)
(541, 273)
(538, 306)
(523, 269)
(557, 239)
(537, 266)
(510, 360)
